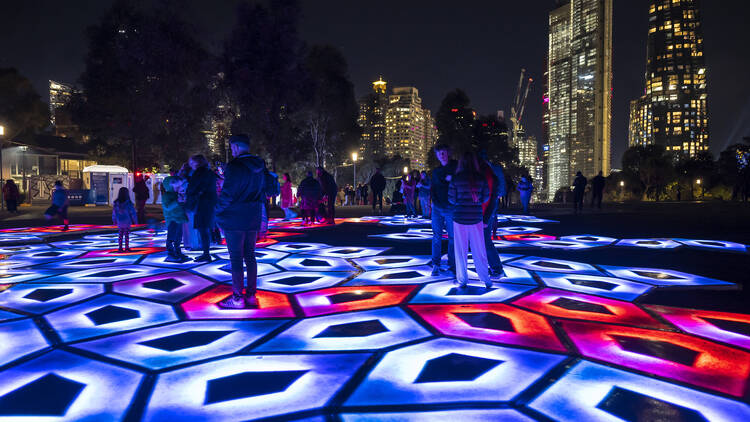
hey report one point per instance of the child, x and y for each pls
(123, 215)
(59, 205)
(174, 216)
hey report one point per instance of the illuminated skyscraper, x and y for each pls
(578, 90)
(527, 153)
(673, 110)
(60, 95)
(405, 127)
(372, 110)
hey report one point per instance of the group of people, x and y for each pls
(579, 190)
(349, 195)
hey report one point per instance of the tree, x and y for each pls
(145, 86)
(651, 166)
(691, 169)
(22, 112)
(733, 168)
(455, 121)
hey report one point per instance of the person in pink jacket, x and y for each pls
(287, 198)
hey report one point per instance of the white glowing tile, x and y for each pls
(662, 277)
(589, 238)
(716, 245)
(18, 339)
(299, 281)
(12, 250)
(315, 263)
(159, 260)
(348, 251)
(88, 263)
(616, 288)
(535, 263)
(266, 255)
(649, 243)
(517, 230)
(20, 275)
(403, 275)
(297, 247)
(41, 256)
(40, 298)
(167, 287)
(222, 270)
(562, 245)
(448, 292)
(371, 263)
(104, 274)
(403, 237)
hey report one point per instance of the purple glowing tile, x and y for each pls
(363, 330)
(448, 292)
(649, 243)
(251, 387)
(402, 275)
(297, 247)
(348, 251)
(716, 245)
(726, 327)
(180, 343)
(42, 256)
(616, 288)
(299, 281)
(402, 221)
(222, 271)
(502, 231)
(167, 287)
(315, 263)
(445, 371)
(61, 385)
(41, 298)
(662, 277)
(593, 392)
(372, 263)
(423, 230)
(106, 315)
(18, 339)
(482, 415)
(535, 263)
(266, 255)
(159, 260)
(104, 274)
(590, 238)
(88, 263)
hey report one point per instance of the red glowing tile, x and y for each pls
(262, 243)
(529, 237)
(667, 354)
(113, 252)
(496, 322)
(563, 304)
(270, 305)
(720, 326)
(351, 298)
(276, 235)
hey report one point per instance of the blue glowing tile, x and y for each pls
(88, 263)
(266, 255)
(403, 237)
(616, 288)
(662, 277)
(649, 243)
(348, 251)
(445, 371)
(168, 287)
(315, 263)
(423, 230)
(566, 245)
(41, 298)
(86, 245)
(12, 250)
(402, 221)
(590, 238)
(67, 387)
(221, 270)
(517, 230)
(299, 281)
(372, 263)
(250, 387)
(363, 330)
(106, 315)
(504, 244)
(180, 343)
(297, 247)
(104, 274)
(41, 256)
(715, 245)
(504, 257)
(532, 220)
(24, 274)
(448, 292)
(18, 339)
(482, 415)
(158, 260)
(512, 276)
(9, 238)
(5, 315)
(592, 392)
(535, 263)
(10, 264)
(402, 275)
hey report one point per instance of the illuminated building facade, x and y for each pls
(60, 95)
(578, 97)
(405, 127)
(527, 152)
(372, 111)
(673, 111)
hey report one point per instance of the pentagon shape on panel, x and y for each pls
(363, 330)
(535, 263)
(714, 245)
(448, 292)
(671, 355)
(41, 298)
(18, 339)
(222, 270)
(351, 298)
(649, 243)
(497, 323)
(106, 315)
(726, 327)
(590, 238)
(615, 395)
(251, 387)
(562, 304)
(104, 274)
(444, 370)
(205, 306)
(315, 263)
(663, 277)
(475, 415)
(63, 385)
(169, 287)
(348, 251)
(615, 288)
(401, 275)
(180, 343)
(298, 281)
(380, 262)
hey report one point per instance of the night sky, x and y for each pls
(478, 46)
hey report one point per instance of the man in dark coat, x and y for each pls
(309, 194)
(579, 188)
(597, 190)
(377, 184)
(140, 190)
(239, 213)
(442, 210)
(200, 197)
(329, 192)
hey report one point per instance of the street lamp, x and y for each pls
(354, 168)
(699, 184)
(406, 170)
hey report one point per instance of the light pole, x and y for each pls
(701, 187)
(354, 168)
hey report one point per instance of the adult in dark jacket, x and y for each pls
(579, 188)
(328, 184)
(467, 191)
(377, 184)
(597, 190)
(11, 195)
(238, 213)
(442, 210)
(309, 193)
(141, 193)
(201, 198)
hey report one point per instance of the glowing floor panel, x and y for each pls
(205, 306)
(41, 298)
(725, 327)
(534, 263)
(354, 298)
(18, 339)
(167, 287)
(221, 270)
(403, 275)
(315, 263)
(662, 277)
(615, 288)
(448, 292)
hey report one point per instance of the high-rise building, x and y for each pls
(60, 95)
(372, 110)
(527, 153)
(405, 127)
(672, 112)
(578, 97)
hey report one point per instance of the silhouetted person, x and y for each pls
(525, 187)
(141, 193)
(310, 194)
(442, 209)
(11, 195)
(377, 184)
(200, 197)
(597, 190)
(328, 184)
(579, 188)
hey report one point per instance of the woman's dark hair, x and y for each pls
(469, 164)
(288, 177)
(200, 159)
(123, 195)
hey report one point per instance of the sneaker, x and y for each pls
(497, 274)
(251, 301)
(459, 284)
(203, 258)
(435, 270)
(234, 301)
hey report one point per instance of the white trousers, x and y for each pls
(465, 236)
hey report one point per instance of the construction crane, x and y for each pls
(517, 109)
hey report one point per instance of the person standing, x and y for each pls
(408, 188)
(156, 188)
(59, 205)
(364, 194)
(328, 184)
(597, 190)
(424, 194)
(525, 187)
(502, 192)
(377, 184)
(579, 188)
(287, 198)
(467, 191)
(123, 216)
(140, 190)
(309, 194)
(200, 197)
(174, 216)
(238, 212)
(489, 215)
(442, 210)
(11, 195)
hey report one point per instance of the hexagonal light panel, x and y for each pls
(403, 275)
(41, 298)
(351, 298)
